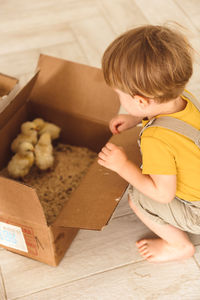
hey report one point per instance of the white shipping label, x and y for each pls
(12, 236)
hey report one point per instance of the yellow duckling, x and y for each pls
(21, 162)
(44, 127)
(28, 134)
(39, 122)
(44, 152)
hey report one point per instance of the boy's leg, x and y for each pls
(173, 243)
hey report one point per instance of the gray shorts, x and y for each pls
(182, 214)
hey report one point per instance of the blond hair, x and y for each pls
(150, 61)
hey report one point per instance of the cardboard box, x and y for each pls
(76, 98)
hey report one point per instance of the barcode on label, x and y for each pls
(12, 236)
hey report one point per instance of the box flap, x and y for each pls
(17, 102)
(93, 203)
(7, 83)
(5, 100)
(20, 202)
(74, 89)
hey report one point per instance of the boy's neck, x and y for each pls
(166, 108)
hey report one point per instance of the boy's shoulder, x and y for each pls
(190, 114)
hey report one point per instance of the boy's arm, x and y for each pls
(161, 188)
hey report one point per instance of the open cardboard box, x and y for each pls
(76, 98)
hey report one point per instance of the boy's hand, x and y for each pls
(112, 157)
(122, 122)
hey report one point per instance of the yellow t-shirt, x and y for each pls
(167, 152)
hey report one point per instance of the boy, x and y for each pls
(149, 68)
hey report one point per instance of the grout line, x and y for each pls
(96, 14)
(123, 215)
(196, 262)
(79, 44)
(2, 286)
(79, 279)
(187, 16)
(103, 11)
(196, 244)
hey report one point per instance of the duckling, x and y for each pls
(20, 164)
(39, 122)
(44, 152)
(44, 127)
(28, 134)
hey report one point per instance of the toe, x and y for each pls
(141, 243)
(142, 248)
(144, 251)
(146, 254)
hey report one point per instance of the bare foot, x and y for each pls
(158, 250)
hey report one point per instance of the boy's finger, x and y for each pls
(114, 129)
(117, 128)
(101, 162)
(105, 150)
(102, 155)
(111, 146)
(115, 123)
(111, 125)
(121, 127)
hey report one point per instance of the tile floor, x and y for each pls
(99, 265)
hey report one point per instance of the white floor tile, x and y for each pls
(139, 281)
(94, 35)
(122, 14)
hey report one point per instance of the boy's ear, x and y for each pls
(142, 101)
